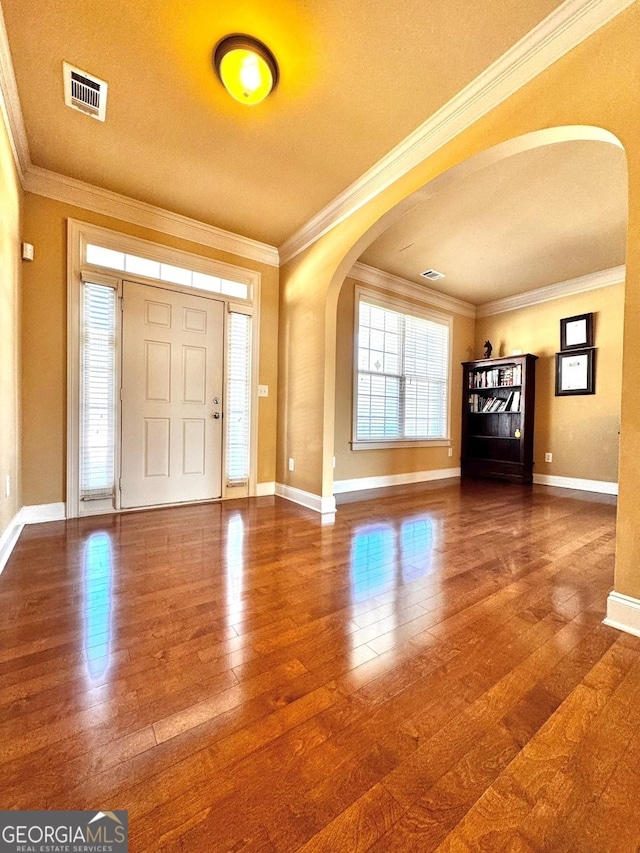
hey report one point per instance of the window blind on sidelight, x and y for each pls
(238, 408)
(97, 439)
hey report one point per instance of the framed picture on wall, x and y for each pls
(576, 332)
(575, 372)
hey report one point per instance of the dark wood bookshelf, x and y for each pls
(498, 404)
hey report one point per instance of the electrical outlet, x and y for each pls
(7, 485)
(263, 390)
(450, 451)
(548, 457)
(291, 464)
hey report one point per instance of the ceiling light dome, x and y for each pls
(246, 68)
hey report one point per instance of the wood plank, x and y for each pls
(453, 689)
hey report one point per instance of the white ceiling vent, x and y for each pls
(432, 275)
(84, 92)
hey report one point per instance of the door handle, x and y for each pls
(217, 415)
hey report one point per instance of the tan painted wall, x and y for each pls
(580, 431)
(595, 85)
(11, 198)
(44, 344)
(352, 464)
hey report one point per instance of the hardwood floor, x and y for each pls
(429, 672)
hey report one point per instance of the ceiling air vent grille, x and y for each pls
(84, 92)
(432, 275)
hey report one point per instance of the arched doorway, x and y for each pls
(522, 231)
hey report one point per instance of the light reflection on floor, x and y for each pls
(235, 566)
(416, 542)
(98, 570)
(383, 558)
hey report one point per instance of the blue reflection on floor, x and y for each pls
(98, 566)
(373, 558)
(375, 561)
(416, 541)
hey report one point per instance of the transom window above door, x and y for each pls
(101, 256)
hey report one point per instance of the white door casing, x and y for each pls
(172, 374)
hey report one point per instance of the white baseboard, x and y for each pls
(623, 613)
(43, 512)
(361, 483)
(308, 499)
(264, 489)
(601, 486)
(9, 538)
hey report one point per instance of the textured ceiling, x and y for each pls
(536, 218)
(357, 76)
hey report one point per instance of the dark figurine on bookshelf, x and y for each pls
(488, 349)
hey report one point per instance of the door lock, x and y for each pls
(216, 400)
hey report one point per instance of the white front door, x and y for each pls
(172, 355)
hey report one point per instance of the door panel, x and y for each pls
(157, 447)
(194, 375)
(157, 364)
(193, 446)
(172, 355)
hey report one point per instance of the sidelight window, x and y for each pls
(98, 362)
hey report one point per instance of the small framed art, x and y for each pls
(575, 372)
(576, 332)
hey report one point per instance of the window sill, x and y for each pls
(396, 443)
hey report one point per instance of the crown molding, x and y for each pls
(10, 106)
(561, 31)
(39, 181)
(593, 281)
(379, 278)
(71, 191)
(565, 28)
(403, 287)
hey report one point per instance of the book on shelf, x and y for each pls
(478, 403)
(496, 377)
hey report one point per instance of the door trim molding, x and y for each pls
(78, 234)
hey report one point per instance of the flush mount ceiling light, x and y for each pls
(246, 68)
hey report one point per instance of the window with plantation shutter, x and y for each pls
(238, 408)
(98, 392)
(402, 377)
